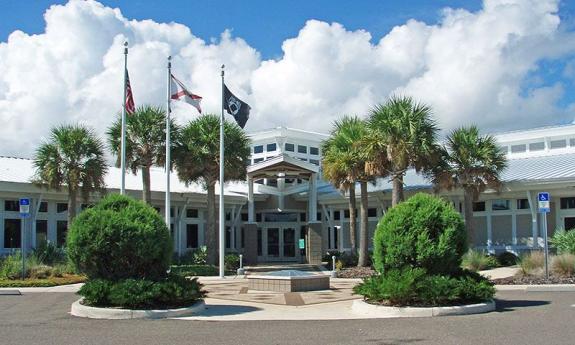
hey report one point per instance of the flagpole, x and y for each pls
(168, 144)
(222, 217)
(123, 143)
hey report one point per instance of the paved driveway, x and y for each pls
(522, 318)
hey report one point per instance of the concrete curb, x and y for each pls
(537, 288)
(81, 310)
(363, 308)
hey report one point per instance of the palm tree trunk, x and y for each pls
(210, 232)
(146, 192)
(362, 262)
(352, 219)
(397, 192)
(468, 214)
(72, 200)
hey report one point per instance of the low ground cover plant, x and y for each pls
(564, 241)
(124, 247)
(40, 269)
(418, 250)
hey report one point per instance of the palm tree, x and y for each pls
(145, 142)
(344, 165)
(197, 158)
(471, 162)
(402, 135)
(73, 156)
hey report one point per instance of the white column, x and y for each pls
(312, 198)
(489, 227)
(251, 217)
(233, 228)
(534, 225)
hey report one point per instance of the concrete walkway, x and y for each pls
(500, 272)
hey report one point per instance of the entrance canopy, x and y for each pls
(288, 167)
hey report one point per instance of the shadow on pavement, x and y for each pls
(222, 310)
(511, 305)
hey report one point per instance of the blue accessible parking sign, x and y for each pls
(24, 207)
(543, 202)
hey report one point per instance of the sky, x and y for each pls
(500, 64)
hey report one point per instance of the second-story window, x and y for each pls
(289, 147)
(271, 147)
(302, 149)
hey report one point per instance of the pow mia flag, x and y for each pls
(239, 109)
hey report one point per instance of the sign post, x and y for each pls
(544, 208)
(24, 214)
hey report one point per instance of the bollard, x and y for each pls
(333, 272)
(241, 270)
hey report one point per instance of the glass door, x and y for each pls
(289, 242)
(273, 242)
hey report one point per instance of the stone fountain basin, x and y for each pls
(288, 281)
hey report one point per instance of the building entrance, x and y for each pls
(278, 243)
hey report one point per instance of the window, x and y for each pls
(191, 235)
(289, 180)
(172, 211)
(302, 217)
(260, 250)
(228, 237)
(244, 217)
(192, 213)
(572, 142)
(372, 212)
(540, 146)
(500, 205)
(567, 203)
(518, 148)
(157, 209)
(313, 151)
(260, 181)
(41, 232)
(258, 217)
(289, 147)
(85, 206)
(12, 233)
(522, 204)
(271, 147)
(345, 213)
(258, 149)
(228, 215)
(318, 217)
(12, 205)
(61, 231)
(301, 149)
(314, 161)
(43, 207)
(257, 160)
(336, 215)
(242, 241)
(479, 206)
(558, 144)
(61, 207)
(272, 182)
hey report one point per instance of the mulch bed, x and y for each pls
(356, 272)
(533, 280)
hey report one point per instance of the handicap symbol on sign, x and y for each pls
(543, 196)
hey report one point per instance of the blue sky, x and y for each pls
(500, 64)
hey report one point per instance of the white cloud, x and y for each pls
(470, 67)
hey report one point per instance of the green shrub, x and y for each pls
(564, 241)
(201, 256)
(507, 259)
(563, 265)
(195, 270)
(120, 238)
(49, 254)
(40, 272)
(172, 291)
(477, 261)
(11, 266)
(231, 262)
(396, 287)
(424, 231)
(532, 263)
(414, 287)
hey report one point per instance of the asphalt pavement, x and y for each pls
(521, 318)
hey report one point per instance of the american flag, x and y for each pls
(130, 106)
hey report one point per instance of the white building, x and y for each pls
(268, 215)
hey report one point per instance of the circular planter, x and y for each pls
(80, 310)
(361, 307)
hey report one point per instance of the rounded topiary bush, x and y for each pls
(120, 238)
(424, 231)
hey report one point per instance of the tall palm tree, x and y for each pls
(344, 165)
(472, 162)
(72, 157)
(145, 142)
(197, 158)
(402, 136)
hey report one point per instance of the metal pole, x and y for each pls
(545, 245)
(168, 144)
(22, 244)
(123, 149)
(222, 220)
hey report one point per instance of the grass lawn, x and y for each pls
(54, 281)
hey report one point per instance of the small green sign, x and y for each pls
(301, 243)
